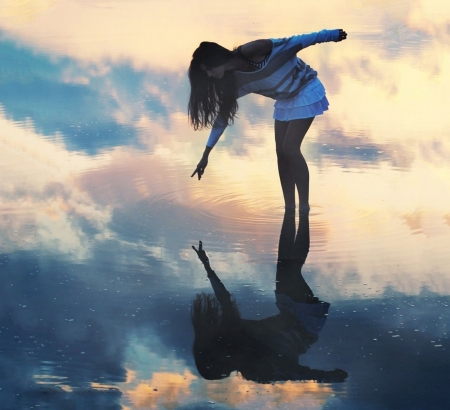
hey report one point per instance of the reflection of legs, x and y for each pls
(302, 240)
(289, 280)
(292, 166)
(287, 235)
(292, 253)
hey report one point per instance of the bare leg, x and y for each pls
(286, 180)
(292, 166)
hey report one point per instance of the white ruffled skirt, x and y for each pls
(311, 101)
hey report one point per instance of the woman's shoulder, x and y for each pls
(256, 50)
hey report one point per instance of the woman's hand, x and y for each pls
(202, 164)
(342, 35)
(201, 167)
(201, 253)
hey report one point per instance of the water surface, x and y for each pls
(98, 212)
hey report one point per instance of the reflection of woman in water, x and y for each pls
(271, 68)
(264, 350)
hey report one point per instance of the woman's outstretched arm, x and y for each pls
(301, 41)
(222, 294)
(217, 129)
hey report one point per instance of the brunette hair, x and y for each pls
(210, 96)
(211, 348)
(222, 346)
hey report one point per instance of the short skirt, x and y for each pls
(311, 316)
(309, 102)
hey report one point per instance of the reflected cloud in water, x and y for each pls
(103, 333)
(91, 107)
(52, 342)
(66, 329)
(351, 151)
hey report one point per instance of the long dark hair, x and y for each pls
(211, 349)
(221, 346)
(210, 96)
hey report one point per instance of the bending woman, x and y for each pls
(271, 68)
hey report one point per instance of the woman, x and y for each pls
(265, 350)
(271, 68)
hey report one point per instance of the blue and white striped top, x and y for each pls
(282, 77)
(260, 65)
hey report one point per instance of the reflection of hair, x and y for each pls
(222, 345)
(210, 96)
(211, 347)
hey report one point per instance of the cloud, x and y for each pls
(20, 12)
(353, 151)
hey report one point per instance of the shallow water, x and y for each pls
(98, 212)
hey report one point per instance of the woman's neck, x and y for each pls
(238, 64)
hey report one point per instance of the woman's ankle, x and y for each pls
(304, 208)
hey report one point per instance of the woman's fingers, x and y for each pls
(199, 171)
(201, 253)
(200, 247)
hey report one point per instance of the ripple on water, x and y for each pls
(225, 209)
